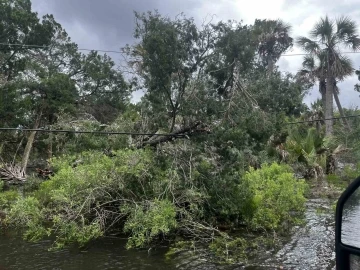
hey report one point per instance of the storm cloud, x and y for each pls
(106, 23)
(109, 24)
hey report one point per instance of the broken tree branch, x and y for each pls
(196, 128)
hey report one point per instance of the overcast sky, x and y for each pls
(109, 24)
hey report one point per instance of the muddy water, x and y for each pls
(310, 247)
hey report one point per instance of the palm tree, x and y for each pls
(328, 37)
(315, 69)
(273, 39)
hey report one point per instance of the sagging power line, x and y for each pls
(45, 47)
(151, 134)
(91, 132)
(326, 119)
(120, 52)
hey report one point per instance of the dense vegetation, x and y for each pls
(210, 147)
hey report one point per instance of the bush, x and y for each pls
(7, 198)
(27, 213)
(150, 195)
(147, 222)
(275, 197)
(351, 173)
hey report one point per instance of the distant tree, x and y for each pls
(328, 36)
(19, 25)
(273, 38)
(315, 69)
(103, 91)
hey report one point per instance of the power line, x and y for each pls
(120, 52)
(149, 134)
(91, 132)
(302, 54)
(326, 119)
(45, 47)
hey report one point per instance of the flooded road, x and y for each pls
(310, 247)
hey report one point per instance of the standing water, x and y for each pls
(310, 247)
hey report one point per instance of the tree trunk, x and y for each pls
(322, 90)
(50, 146)
(329, 105)
(173, 119)
(29, 144)
(270, 66)
(341, 111)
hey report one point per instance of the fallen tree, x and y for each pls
(196, 128)
(12, 173)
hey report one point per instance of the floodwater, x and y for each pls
(310, 247)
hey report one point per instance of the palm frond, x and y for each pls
(342, 66)
(345, 28)
(347, 33)
(309, 62)
(306, 76)
(308, 45)
(323, 30)
(282, 26)
(353, 42)
(322, 56)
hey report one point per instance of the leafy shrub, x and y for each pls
(75, 232)
(7, 198)
(273, 195)
(147, 222)
(27, 213)
(351, 173)
(307, 148)
(231, 251)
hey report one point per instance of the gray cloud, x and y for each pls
(108, 23)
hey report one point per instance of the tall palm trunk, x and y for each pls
(322, 90)
(341, 111)
(29, 144)
(329, 105)
(270, 65)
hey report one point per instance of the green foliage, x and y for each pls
(351, 173)
(307, 147)
(7, 198)
(273, 38)
(75, 232)
(147, 222)
(275, 197)
(337, 181)
(349, 139)
(231, 251)
(280, 94)
(27, 213)
(79, 201)
(241, 249)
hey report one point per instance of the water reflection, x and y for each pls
(350, 230)
(310, 247)
(16, 254)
